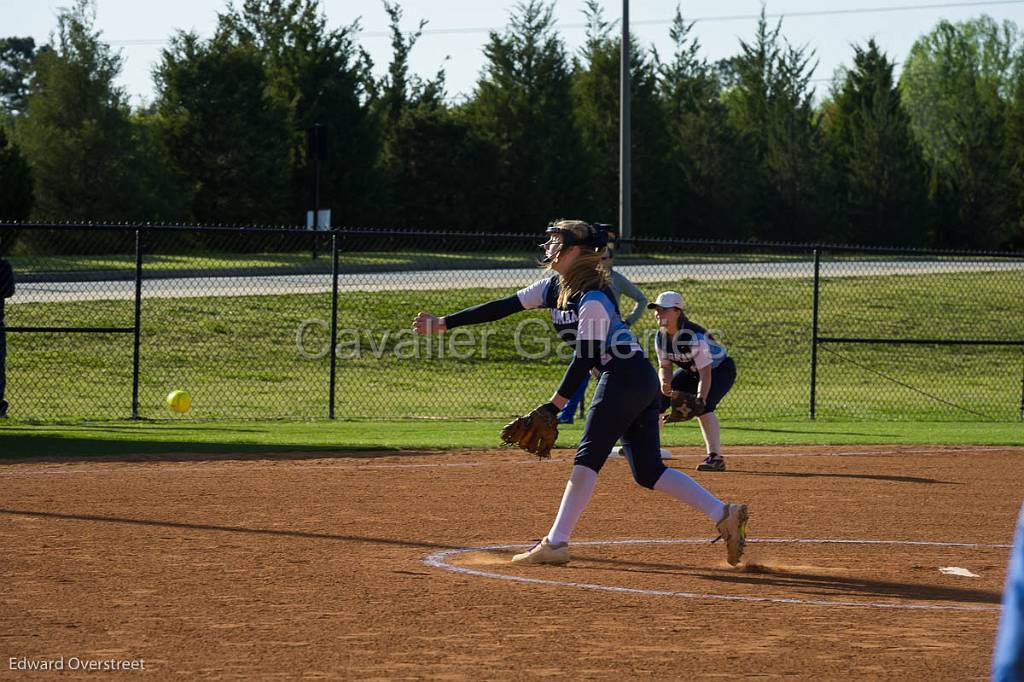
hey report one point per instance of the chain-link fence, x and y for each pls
(107, 320)
(920, 337)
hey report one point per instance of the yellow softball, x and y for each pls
(179, 401)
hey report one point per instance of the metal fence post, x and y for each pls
(138, 324)
(814, 331)
(334, 320)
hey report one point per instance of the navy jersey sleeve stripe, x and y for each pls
(485, 312)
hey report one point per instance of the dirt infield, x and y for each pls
(369, 566)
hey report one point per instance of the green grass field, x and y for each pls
(124, 438)
(239, 359)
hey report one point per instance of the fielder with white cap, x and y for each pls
(705, 369)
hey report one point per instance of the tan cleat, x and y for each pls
(733, 529)
(544, 553)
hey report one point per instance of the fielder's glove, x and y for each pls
(685, 406)
(535, 432)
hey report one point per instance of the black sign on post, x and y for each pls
(316, 138)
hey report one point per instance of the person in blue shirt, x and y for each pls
(1008, 659)
(620, 286)
(705, 369)
(626, 401)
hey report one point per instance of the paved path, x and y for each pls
(273, 285)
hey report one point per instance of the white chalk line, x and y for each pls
(231, 465)
(439, 560)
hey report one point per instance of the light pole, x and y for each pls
(625, 166)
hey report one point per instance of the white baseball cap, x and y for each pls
(667, 299)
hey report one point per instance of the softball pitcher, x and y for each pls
(626, 402)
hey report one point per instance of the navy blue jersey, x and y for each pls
(691, 348)
(589, 316)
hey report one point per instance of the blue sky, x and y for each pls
(138, 28)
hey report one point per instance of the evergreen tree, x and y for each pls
(428, 152)
(76, 130)
(595, 95)
(596, 107)
(771, 107)
(224, 131)
(15, 182)
(168, 192)
(879, 172)
(315, 75)
(706, 196)
(522, 107)
(1015, 159)
(400, 90)
(16, 57)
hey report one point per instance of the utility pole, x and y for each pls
(625, 165)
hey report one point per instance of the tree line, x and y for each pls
(734, 149)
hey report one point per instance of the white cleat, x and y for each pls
(733, 529)
(544, 553)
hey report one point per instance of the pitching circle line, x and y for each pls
(440, 560)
